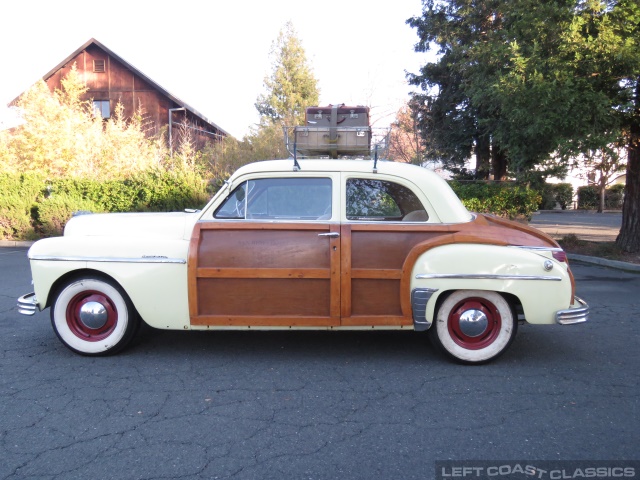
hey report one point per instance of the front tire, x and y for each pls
(94, 316)
(474, 326)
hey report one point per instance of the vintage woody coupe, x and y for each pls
(315, 244)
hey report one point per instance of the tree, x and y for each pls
(61, 136)
(405, 144)
(291, 86)
(538, 78)
(452, 124)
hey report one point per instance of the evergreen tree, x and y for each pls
(534, 80)
(291, 86)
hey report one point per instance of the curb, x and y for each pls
(603, 262)
(15, 243)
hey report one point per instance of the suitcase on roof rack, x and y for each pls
(335, 130)
(337, 116)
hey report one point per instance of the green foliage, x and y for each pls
(556, 193)
(31, 205)
(614, 196)
(588, 197)
(19, 195)
(63, 137)
(504, 200)
(526, 76)
(291, 86)
(52, 213)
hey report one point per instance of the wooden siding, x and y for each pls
(119, 83)
(279, 274)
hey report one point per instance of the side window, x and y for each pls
(279, 199)
(381, 200)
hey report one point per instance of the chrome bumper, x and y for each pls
(576, 314)
(27, 304)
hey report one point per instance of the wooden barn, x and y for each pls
(111, 79)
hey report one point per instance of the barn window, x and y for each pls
(102, 108)
(98, 66)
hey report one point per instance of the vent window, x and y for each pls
(99, 66)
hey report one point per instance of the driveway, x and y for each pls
(597, 227)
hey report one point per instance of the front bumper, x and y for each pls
(27, 304)
(578, 313)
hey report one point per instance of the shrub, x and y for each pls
(20, 192)
(53, 213)
(556, 194)
(548, 198)
(563, 194)
(614, 196)
(588, 197)
(505, 200)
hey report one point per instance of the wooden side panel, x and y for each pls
(372, 275)
(262, 274)
(375, 297)
(264, 297)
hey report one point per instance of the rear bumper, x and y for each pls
(27, 304)
(578, 313)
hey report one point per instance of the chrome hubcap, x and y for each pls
(473, 323)
(93, 315)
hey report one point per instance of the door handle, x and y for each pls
(330, 234)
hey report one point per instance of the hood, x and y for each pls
(133, 225)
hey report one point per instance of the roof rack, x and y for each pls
(337, 142)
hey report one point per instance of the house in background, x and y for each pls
(110, 80)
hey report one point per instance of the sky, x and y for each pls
(214, 55)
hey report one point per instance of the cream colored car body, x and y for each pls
(147, 254)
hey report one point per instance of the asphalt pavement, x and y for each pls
(588, 225)
(315, 405)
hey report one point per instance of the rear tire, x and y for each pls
(474, 326)
(94, 316)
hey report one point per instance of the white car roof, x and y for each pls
(445, 202)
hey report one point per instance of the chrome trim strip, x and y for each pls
(143, 259)
(419, 299)
(571, 316)
(544, 249)
(27, 304)
(485, 276)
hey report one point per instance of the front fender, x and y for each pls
(152, 273)
(512, 270)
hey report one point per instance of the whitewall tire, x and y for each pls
(93, 316)
(474, 326)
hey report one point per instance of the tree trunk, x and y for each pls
(629, 237)
(483, 157)
(602, 190)
(498, 163)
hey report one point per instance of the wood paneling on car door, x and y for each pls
(264, 274)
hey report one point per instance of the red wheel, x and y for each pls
(93, 316)
(474, 326)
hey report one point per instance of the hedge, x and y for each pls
(32, 206)
(556, 194)
(505, 200)
(588, 197)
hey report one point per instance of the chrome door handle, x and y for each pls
(330, 234)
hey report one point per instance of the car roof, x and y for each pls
(445, 202)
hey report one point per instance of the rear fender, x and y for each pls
(512, 271)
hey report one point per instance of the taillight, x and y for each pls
(559, 255)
